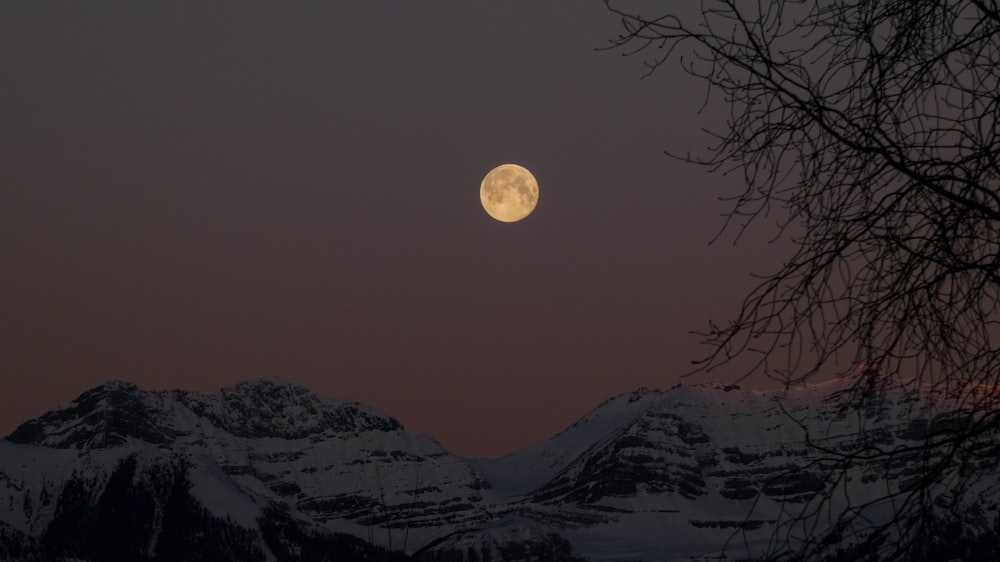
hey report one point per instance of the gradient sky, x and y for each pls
(194, 194)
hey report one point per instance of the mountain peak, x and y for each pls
(267, 383)
(104, 416)
(116, 412)
(638, 394)
(269, 390)
(117, 385)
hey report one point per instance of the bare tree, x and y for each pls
(870, 129)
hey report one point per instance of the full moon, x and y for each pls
(509, 193)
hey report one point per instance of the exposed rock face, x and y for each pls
(335, 462)
(268, 470)
(114, 413)
(105, 416)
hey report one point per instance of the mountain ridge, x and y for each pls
(648, 475)
(120, 410)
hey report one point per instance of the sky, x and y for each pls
(196, 194)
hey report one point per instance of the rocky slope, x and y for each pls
(269, 471)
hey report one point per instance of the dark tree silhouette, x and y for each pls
(871, 130)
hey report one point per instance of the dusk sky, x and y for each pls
(195, 194)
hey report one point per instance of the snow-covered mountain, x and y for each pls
(267, 470)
